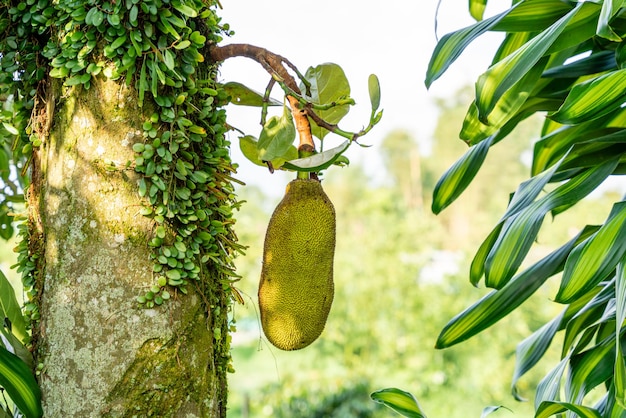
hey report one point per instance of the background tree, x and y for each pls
(563, 59)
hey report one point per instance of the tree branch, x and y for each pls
(275, 65)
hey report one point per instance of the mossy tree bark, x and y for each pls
(103, 354)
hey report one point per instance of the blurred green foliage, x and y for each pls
(400, 275)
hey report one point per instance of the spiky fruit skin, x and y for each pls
(296, 288)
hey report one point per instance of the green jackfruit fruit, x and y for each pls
(296, 288)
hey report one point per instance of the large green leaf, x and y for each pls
(244, 96)
(511, 101)
(328, 83)
(593, 98)
(494, 83)
(10, 308)
(450, 47)
(520, 231)
(584, 269)
(548, 389)
(532, 349)
(497, 304)
(400, 401)
(459, 176)
(590, 369)
(547, 409)
(249, 148)
(609, 9)
(277, 136)
(319, 161)
(19, 383)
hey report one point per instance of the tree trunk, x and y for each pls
(101, 353)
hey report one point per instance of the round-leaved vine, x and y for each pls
(159, 48)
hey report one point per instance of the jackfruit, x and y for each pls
(296, 288)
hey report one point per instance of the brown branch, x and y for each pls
(275, 65)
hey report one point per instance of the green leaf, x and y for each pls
(374, 90)
(589, 369)
(10, 128)
(245, 96)
(494, 83)
(121, 40)
(184, 9)
(488, 410)
(549, 387)
(400, 401)
(456, 179)
(276, 136)
(249, 148)
(620, 316)
(183, 44)
(511, 101)
(497, 304)
(450, 46)
(531, 350)
(477, 8)
(10, 308)
(519, 231)
(584, 269)
(14, 345)
(547, 409)
(593, 98)
(19, 383)
(328, 83)
(319, 161)
(609, 9)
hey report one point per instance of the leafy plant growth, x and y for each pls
(563, 59)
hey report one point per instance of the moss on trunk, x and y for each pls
(102, 354)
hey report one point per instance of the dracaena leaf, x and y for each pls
(584, 269)
(520, 231)
(459, 176)
(548, 409)
(493, 84)
(593, 98)
(499, 303)
(400, 401)
(10, 308)
(20, 384)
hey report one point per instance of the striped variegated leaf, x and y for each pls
(531, 350)
(548, 409)
(459, 176)
(450, 47)
(587, 315)
(492, 85)
(593, 98)
(549, 387)
(589, 369)
(609, 9)
(19, 383)
(400, 401)
(520, 231)
(499, 303)
(584, 269)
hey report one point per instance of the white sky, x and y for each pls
(393, 40)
